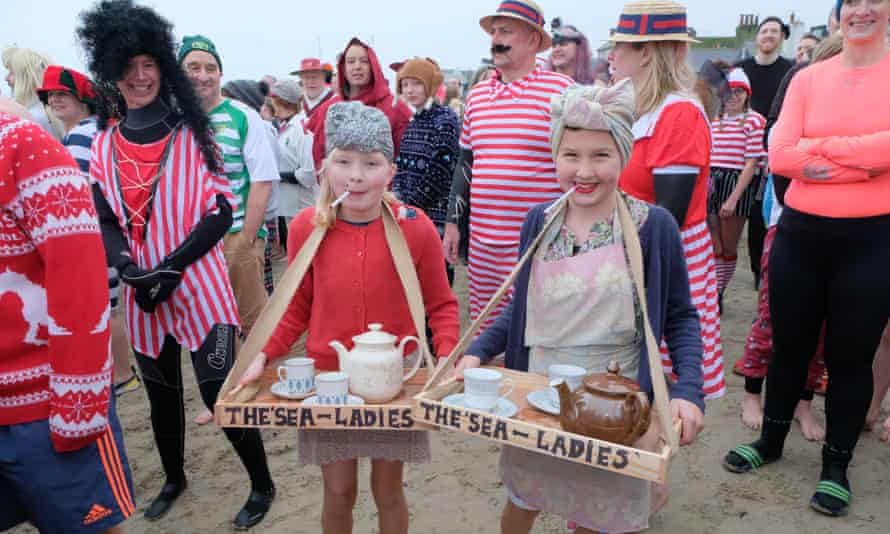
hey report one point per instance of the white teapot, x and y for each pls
(375, 365)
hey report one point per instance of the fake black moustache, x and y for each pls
(500, 49)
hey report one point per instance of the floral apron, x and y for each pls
(582, 311)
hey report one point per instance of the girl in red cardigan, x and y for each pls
(351, 283)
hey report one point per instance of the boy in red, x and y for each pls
(351, 283)
(63, 466)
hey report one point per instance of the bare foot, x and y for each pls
(809, 427)
(752, 413)
(204, 417)
(885, 435)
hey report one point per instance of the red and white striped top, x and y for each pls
(737, 138)
(186, 192)
(507, 127)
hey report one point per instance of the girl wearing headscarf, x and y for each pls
(671, 158)
(164, 206)
(591, 140)
(352, 282)
(25, 75)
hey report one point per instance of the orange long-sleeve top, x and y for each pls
(352, 282)
(843, 114)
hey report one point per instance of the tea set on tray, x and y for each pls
(605, 406)
(371, 372)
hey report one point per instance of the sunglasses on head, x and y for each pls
(565, 39)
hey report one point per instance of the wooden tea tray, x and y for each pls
(266, 410)
(536, 431)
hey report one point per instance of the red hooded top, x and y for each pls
(377, 95)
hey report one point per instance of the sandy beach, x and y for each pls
(460, 490)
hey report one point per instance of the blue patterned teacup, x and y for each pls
(332, 388)
(298, 374)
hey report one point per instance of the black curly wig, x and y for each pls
(112, 34)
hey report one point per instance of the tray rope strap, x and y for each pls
(290, 281)
(404, 262)
(659, 385)
(631, 240)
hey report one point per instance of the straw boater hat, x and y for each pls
(524, 10)
(652, 20)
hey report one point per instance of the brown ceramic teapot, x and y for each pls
(607, 406)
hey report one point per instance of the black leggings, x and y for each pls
(836, 271)
(162, 377)
(756, 228)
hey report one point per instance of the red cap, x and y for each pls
(63, 79)
(309, 64)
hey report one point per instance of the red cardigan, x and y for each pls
(55, 361)
(353, 282)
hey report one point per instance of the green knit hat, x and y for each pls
(191, 43)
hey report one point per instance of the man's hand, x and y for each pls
(692, 418)
(451, 242)
(152, 287)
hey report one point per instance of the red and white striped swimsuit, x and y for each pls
(186, 191)
(507, 127)
(677, 136)
(737, 139)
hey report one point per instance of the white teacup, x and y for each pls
(298, 374)
(482, 388)
(572, 375)
(332, 388)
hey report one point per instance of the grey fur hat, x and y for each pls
(355, 126)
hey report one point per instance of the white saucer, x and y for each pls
(503, 408)
(541, 400)
(280, 389)
(353, 400)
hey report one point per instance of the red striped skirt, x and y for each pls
(488, 267)
(703, 287)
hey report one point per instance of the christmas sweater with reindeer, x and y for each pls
(55, 358)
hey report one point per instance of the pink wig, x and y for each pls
(583, 58)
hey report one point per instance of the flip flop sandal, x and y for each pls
(744, 459)
(831, 499)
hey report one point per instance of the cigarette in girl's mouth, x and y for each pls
(559, 201)
(339, 200)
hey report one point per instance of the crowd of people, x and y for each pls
(145, 203)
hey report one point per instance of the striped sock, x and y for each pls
(720, 262)
(729, 263)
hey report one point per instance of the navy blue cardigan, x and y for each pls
(671, 313)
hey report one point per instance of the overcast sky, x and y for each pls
(270, 36)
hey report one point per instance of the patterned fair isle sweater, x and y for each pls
(55, 358)
(426, 161)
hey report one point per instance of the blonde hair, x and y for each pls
(28, 67)
(325, 215)
(667, 72)
(828, 48)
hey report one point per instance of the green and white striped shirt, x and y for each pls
(248, 155)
